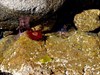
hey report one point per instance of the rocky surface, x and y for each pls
(61, 53)
(77, 53)
(10, 10)
(88, 20)
(8, 41)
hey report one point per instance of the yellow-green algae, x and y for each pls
(45, 59)
(71, 55)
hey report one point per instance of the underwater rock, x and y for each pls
(8, 25)
(27, 52)
(99, 34)
(88, 20)
(45, 26)
(5, 44)
(7, 33)
(78, 54)
(12, 9)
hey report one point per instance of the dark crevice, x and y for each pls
(43, 19)
(65, 14)
(96, 30)
(5, 73)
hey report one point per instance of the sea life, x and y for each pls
(45, 59)
(23, 23)
(34, 35)
(63, 31)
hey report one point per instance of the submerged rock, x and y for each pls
(88, 20)
(5, 44)
(78, 53)
(10, 10)
(31, 6)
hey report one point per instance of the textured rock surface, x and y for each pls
(78, 53)
(88, 20)
(8, 41)
(33, 6)
(12, 9)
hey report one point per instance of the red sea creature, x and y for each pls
(34, 35)
(24, 25)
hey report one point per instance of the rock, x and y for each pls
(25, 61)
(9, 25)
(99, 34)
(7, 33)
(88, 20)
(46, 26)
(74, 54)
(10, 10)
(5, 44)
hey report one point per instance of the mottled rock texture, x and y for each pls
(10, 10)
(88, 20)
(78, 53)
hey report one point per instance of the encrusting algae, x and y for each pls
(88, 20)
(75, 54)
